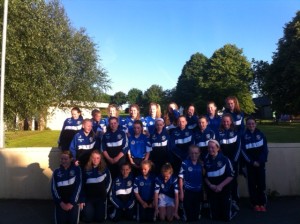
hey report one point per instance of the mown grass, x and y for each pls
(276, 133)
(282, 132)
(31, 139)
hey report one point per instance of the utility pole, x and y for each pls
(2, 128)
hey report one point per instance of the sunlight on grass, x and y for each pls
(31, 139)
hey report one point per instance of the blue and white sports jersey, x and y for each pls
(96, 184)
(192, 175)
(149, 124)
(127, 124)
(254, 146)
(230, 144)
(214, 123)
(201, 138)
(218, 169)
(70, 127)
(145, 187)
(170, 188)
(121, 194)
(114, 143)
(82, 143)
(192, 121)
(180, 141)
(160, 140)
(97, 126)
(66, 184)
(238, 120)
(138, 147)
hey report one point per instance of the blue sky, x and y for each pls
(146, 42)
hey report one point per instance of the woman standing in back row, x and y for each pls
(233, 108)
(70, 127)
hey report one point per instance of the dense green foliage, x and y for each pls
(48, 61)
(283, 80)
(119, 98)
(135, 96)
(226, 73)
(190, 84)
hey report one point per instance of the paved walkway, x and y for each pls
(281, 210)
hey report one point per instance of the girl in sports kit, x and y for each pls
(144, 192)
(159, 142)
(114, 147)
(218, 177)
(127, 123)
(139, 147)
(191, 184)
(214, 120)
(166, 199)
(122, 196)
(229, 139)
(202, 134)
(96, 185)
(70, 127)
(65, 187)
(154, 113)
(255, 152)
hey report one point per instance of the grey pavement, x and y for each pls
(280, 210)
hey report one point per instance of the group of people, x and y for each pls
(161, 166)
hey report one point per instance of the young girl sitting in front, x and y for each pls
(144, 192)
(166, 198)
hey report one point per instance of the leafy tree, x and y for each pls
(119, 98)
(260, 71)
(190, 81)
(283, 80)
(47, 60)
(154, 94)
(229, 73)
(135, 95)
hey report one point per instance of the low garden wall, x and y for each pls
(25, 173)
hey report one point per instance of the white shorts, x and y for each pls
(165, 201)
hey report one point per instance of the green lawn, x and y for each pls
(31, 139)
(276, 133)
(282, 132)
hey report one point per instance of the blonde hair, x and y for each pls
(167, 167)
(102, 164)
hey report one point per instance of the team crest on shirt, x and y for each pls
(154, 137)
(162, 186)
(119, 136)
(219, 164)
(91, 139)
(258, 137)
(186, 133)
(238, 117)
(72, 173)
(151, 123)
(78, 122)
(142, 184)
(231, 134)
(208, 136)
(132, 142)
(59, 174)
(163, 137)
(129, 183)
(130, 123)
(190, 169)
